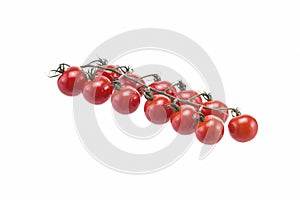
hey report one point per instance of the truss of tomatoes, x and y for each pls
(188, 111)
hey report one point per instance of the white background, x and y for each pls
(255, 46)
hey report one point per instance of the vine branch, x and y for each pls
(100, 63)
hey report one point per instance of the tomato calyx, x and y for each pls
(235, 112)
(98, 62)
(147, 94)
(201, 117)
(90, 74)
(174, 106)
(179, 84)
(206, 96)
(125, 69)
(116, 84)
(57, 72)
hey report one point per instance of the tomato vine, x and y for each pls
(99, 81)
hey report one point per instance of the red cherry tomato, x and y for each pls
(71, 81)
(243, 128)
(162, 86)
(184, 121)
(98, 90)
(222, 114)
(210, 131)
(73, 68)
(187, 94)
(126, 100)
(109, 74)
(127, 82)
(156, 110)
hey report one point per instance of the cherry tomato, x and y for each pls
(98, 90)
(187, 94)
(243, 128)
(162, 86)
(126, 100)
(73, 68)
(222, 114)
(210, 131)
(156, 110)
(109, 74)
(138, 87)
(71, 81)
(184, 121)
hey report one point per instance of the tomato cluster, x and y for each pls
(187, 110)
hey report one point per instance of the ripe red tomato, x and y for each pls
(71, 81)
(156, 110)
(210, 131)
(184, 121)
(162, 86)
(222, 114)
(124, 81)
(98, 90)
(109, 74)
(243, 128)
(126, 100)
(187, 94)
(73, 68)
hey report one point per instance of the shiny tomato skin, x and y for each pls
(109, 74)
(222, 114)
(184, 121)
(162, 86)
(126, 100)
(98, 90)
(124, 81)
(71, 81)
(156, 110)
(73, 68)
(243, 128)
(187, 94)
(210, 131)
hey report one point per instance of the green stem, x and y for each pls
(156, 77)
(234, 111)
(124, 69)
(179, 84)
